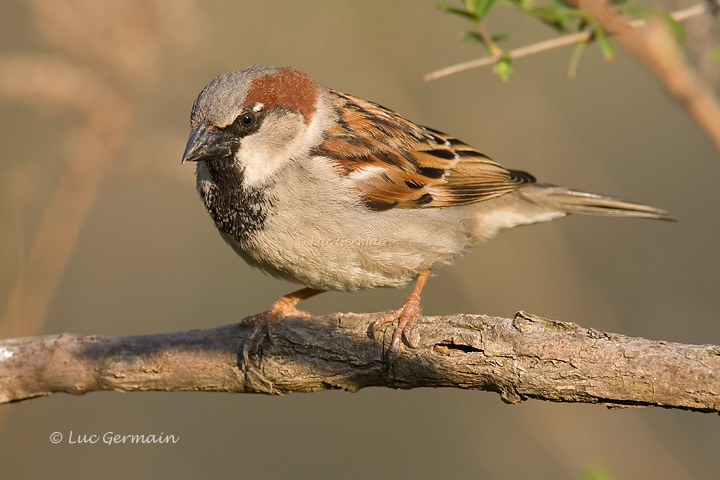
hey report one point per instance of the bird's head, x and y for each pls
(255, 120)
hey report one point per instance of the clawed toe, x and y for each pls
(378, 324)
(251, 343)
(405, 330)
(406, 318)
(262, 323)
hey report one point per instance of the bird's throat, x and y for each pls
(237, 210)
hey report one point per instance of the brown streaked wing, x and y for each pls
(397, 164)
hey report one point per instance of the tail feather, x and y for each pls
(576, 201)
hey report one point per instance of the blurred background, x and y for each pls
(102, 232)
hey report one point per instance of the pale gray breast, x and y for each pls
(321, 235)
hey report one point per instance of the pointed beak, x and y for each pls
(205, 145)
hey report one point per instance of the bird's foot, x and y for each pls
(262, 325)
(406, 317)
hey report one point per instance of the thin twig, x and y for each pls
(571, 39)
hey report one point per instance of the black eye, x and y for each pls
(246, 119)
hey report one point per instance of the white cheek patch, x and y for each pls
(259, 160)
(280, 140)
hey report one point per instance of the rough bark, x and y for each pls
(520, 358)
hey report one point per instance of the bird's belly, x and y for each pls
(381, 251)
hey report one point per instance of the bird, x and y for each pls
(333, 192)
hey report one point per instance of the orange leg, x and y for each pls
(261, 323)
(406, 316)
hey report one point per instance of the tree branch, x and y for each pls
(553, 43)
(660, 54)
(521, 358)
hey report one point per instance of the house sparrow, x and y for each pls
(334, 192)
